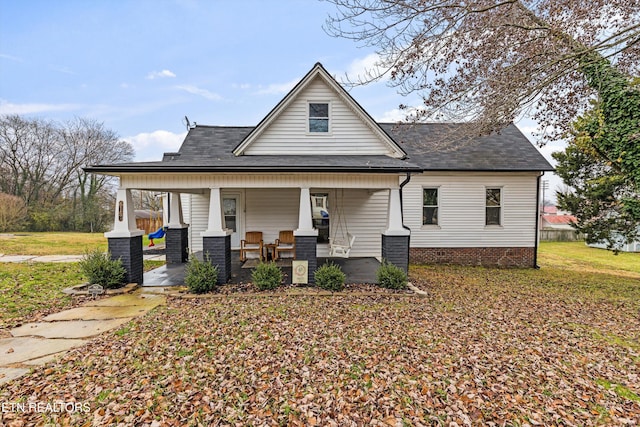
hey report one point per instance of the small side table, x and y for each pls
(270, 247)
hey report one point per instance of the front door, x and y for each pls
(232, 217)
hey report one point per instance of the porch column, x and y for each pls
(306, 236)
(125, 240)
(395, 239)
(216, 240)
(165, 209)
(177, 240)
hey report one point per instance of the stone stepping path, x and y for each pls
(38, 343)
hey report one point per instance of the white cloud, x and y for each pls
(199, 91)
(10, 57)
(367, 68)
(277, 88)
(10, 108)
(243, 86)
(150, 146)
(397, 115)
(160, 74)
(62, 69)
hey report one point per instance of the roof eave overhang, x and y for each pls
(115, 170)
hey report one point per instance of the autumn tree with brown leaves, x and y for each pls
(490, 62)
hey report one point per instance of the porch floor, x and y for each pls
(357, 270)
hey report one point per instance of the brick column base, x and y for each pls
(218, 249)
(177, 245)
(306, 251)
(395, 249)
(129, 251)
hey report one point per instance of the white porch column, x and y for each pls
(175, 211)
(215, 227)
(165, 209)
(124, 222)
(394, 215)
(305, 215)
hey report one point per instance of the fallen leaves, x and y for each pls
(492, 352)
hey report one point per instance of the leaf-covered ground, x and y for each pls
(486, 347)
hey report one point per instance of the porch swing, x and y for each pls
(342, 246)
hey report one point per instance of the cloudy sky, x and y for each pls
(141, 66)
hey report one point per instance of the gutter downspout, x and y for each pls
(402, 184)
(538, 213)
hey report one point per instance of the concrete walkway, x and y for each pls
(60, 258)
(38, 343)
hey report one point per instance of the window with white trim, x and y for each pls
(429, 206)
(493, 206)
(318, 117)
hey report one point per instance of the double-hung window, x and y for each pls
(429, 206)
(493, 206)
(318, 117)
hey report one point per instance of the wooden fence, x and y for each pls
(560, 236)
(149, 225)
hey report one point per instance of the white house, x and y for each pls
(402, 194)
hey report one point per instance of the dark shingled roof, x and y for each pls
(428, 147)
(439, 146)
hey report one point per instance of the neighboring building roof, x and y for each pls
(560, 219)
(147, 214)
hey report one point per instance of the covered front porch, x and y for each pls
(318, 209)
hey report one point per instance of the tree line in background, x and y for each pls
(42, 184)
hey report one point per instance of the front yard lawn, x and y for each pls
(556, 346)
(67, 243)
(31, 290)
(26, 289)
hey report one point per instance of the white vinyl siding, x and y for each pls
(461, 210)
(289, 134)
(199, 219)
(271, 210)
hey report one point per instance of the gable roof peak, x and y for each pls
(319, 70)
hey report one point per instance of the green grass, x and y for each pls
(27, 288)
(620, 390)
(579, 257)
(57, 243)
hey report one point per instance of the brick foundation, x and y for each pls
(488, 257)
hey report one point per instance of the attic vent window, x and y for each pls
(318, 117)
